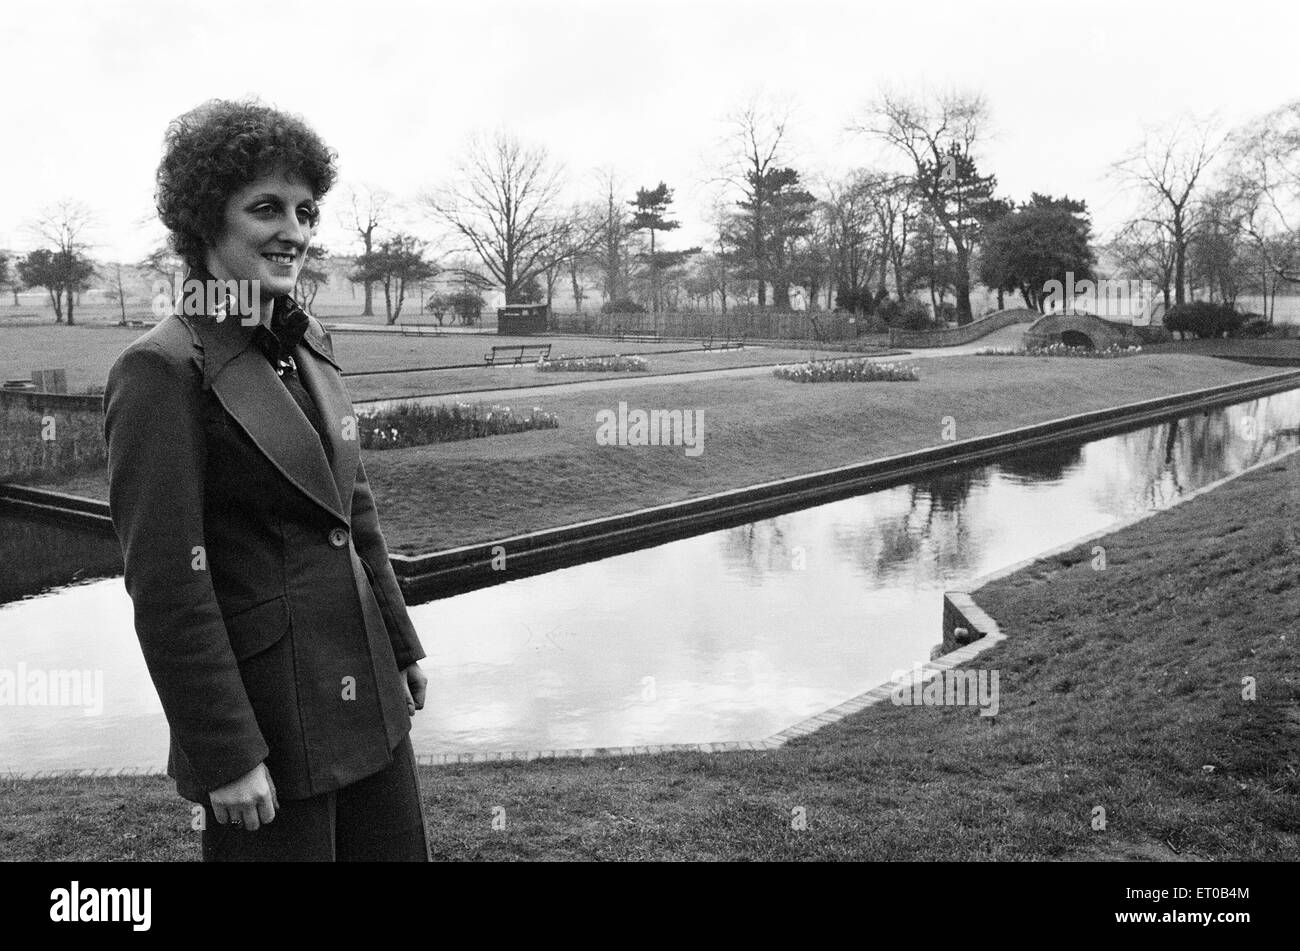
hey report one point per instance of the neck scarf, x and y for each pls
(288, 324)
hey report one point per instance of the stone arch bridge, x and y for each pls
(1085, 330)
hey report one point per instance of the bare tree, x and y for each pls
(580, 233)
(929, 132)
(366, 215)
(1145, 248)
(610, 255)
(757, 139)
(870, 216)
(503, 204)
(64, 226)
(163, 263)
(117, 292)
(1264, 172)
(1167, 168)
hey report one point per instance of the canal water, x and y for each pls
(730, 635)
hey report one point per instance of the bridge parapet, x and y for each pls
(966, 333)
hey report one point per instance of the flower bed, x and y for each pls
(1060, 350)
(848, 371)
(615, 364)
(413, 424)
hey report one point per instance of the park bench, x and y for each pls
(420, 330)
(516, 354)
(710, 343)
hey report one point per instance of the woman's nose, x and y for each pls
(294, 231)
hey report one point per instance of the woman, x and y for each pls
(266, 608)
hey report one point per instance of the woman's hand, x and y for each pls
(250, 799)
(414, 683)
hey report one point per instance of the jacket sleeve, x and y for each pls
(156, 460)
(369, 541)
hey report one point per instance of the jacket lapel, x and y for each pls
(320, 376)
(249, 390)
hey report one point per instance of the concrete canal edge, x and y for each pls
(471, 567)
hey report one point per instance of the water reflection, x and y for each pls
(729, 635)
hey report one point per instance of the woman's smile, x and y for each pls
(267, 229)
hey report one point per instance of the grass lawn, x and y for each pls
(88, 349)
(755, 429)
(1118, 689)
(388, 386)
(1289, 347)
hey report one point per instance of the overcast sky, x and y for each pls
(641, 87)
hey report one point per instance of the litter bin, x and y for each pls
(522, 319)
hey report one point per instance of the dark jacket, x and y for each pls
(265, 604)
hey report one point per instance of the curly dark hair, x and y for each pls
(221, 146)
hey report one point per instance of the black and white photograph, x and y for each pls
(657, 432)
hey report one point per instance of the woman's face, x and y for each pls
(266, 234)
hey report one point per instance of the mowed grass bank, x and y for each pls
(1118, 689)
(755, 429)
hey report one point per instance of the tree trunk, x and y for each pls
(577, 292)
(781, 295)
(964, 315)
(1180, 260)
(121, 295)
(654, 283)
(71, 298)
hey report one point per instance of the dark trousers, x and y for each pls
(376, 819)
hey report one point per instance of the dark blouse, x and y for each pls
(288, 324)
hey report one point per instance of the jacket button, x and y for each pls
(338, 537)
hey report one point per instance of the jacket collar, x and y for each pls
(243, 380)
(225, 335)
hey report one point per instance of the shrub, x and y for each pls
(467, 305)
(1204, 319)
(623, 305)
(947, 312)
(413, 424)
(871, 324)
(907, 314)
(859, 300)
(1254, 325)
(848, 371)
(438, 305)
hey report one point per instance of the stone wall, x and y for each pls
(967, 333)
(49, 434)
